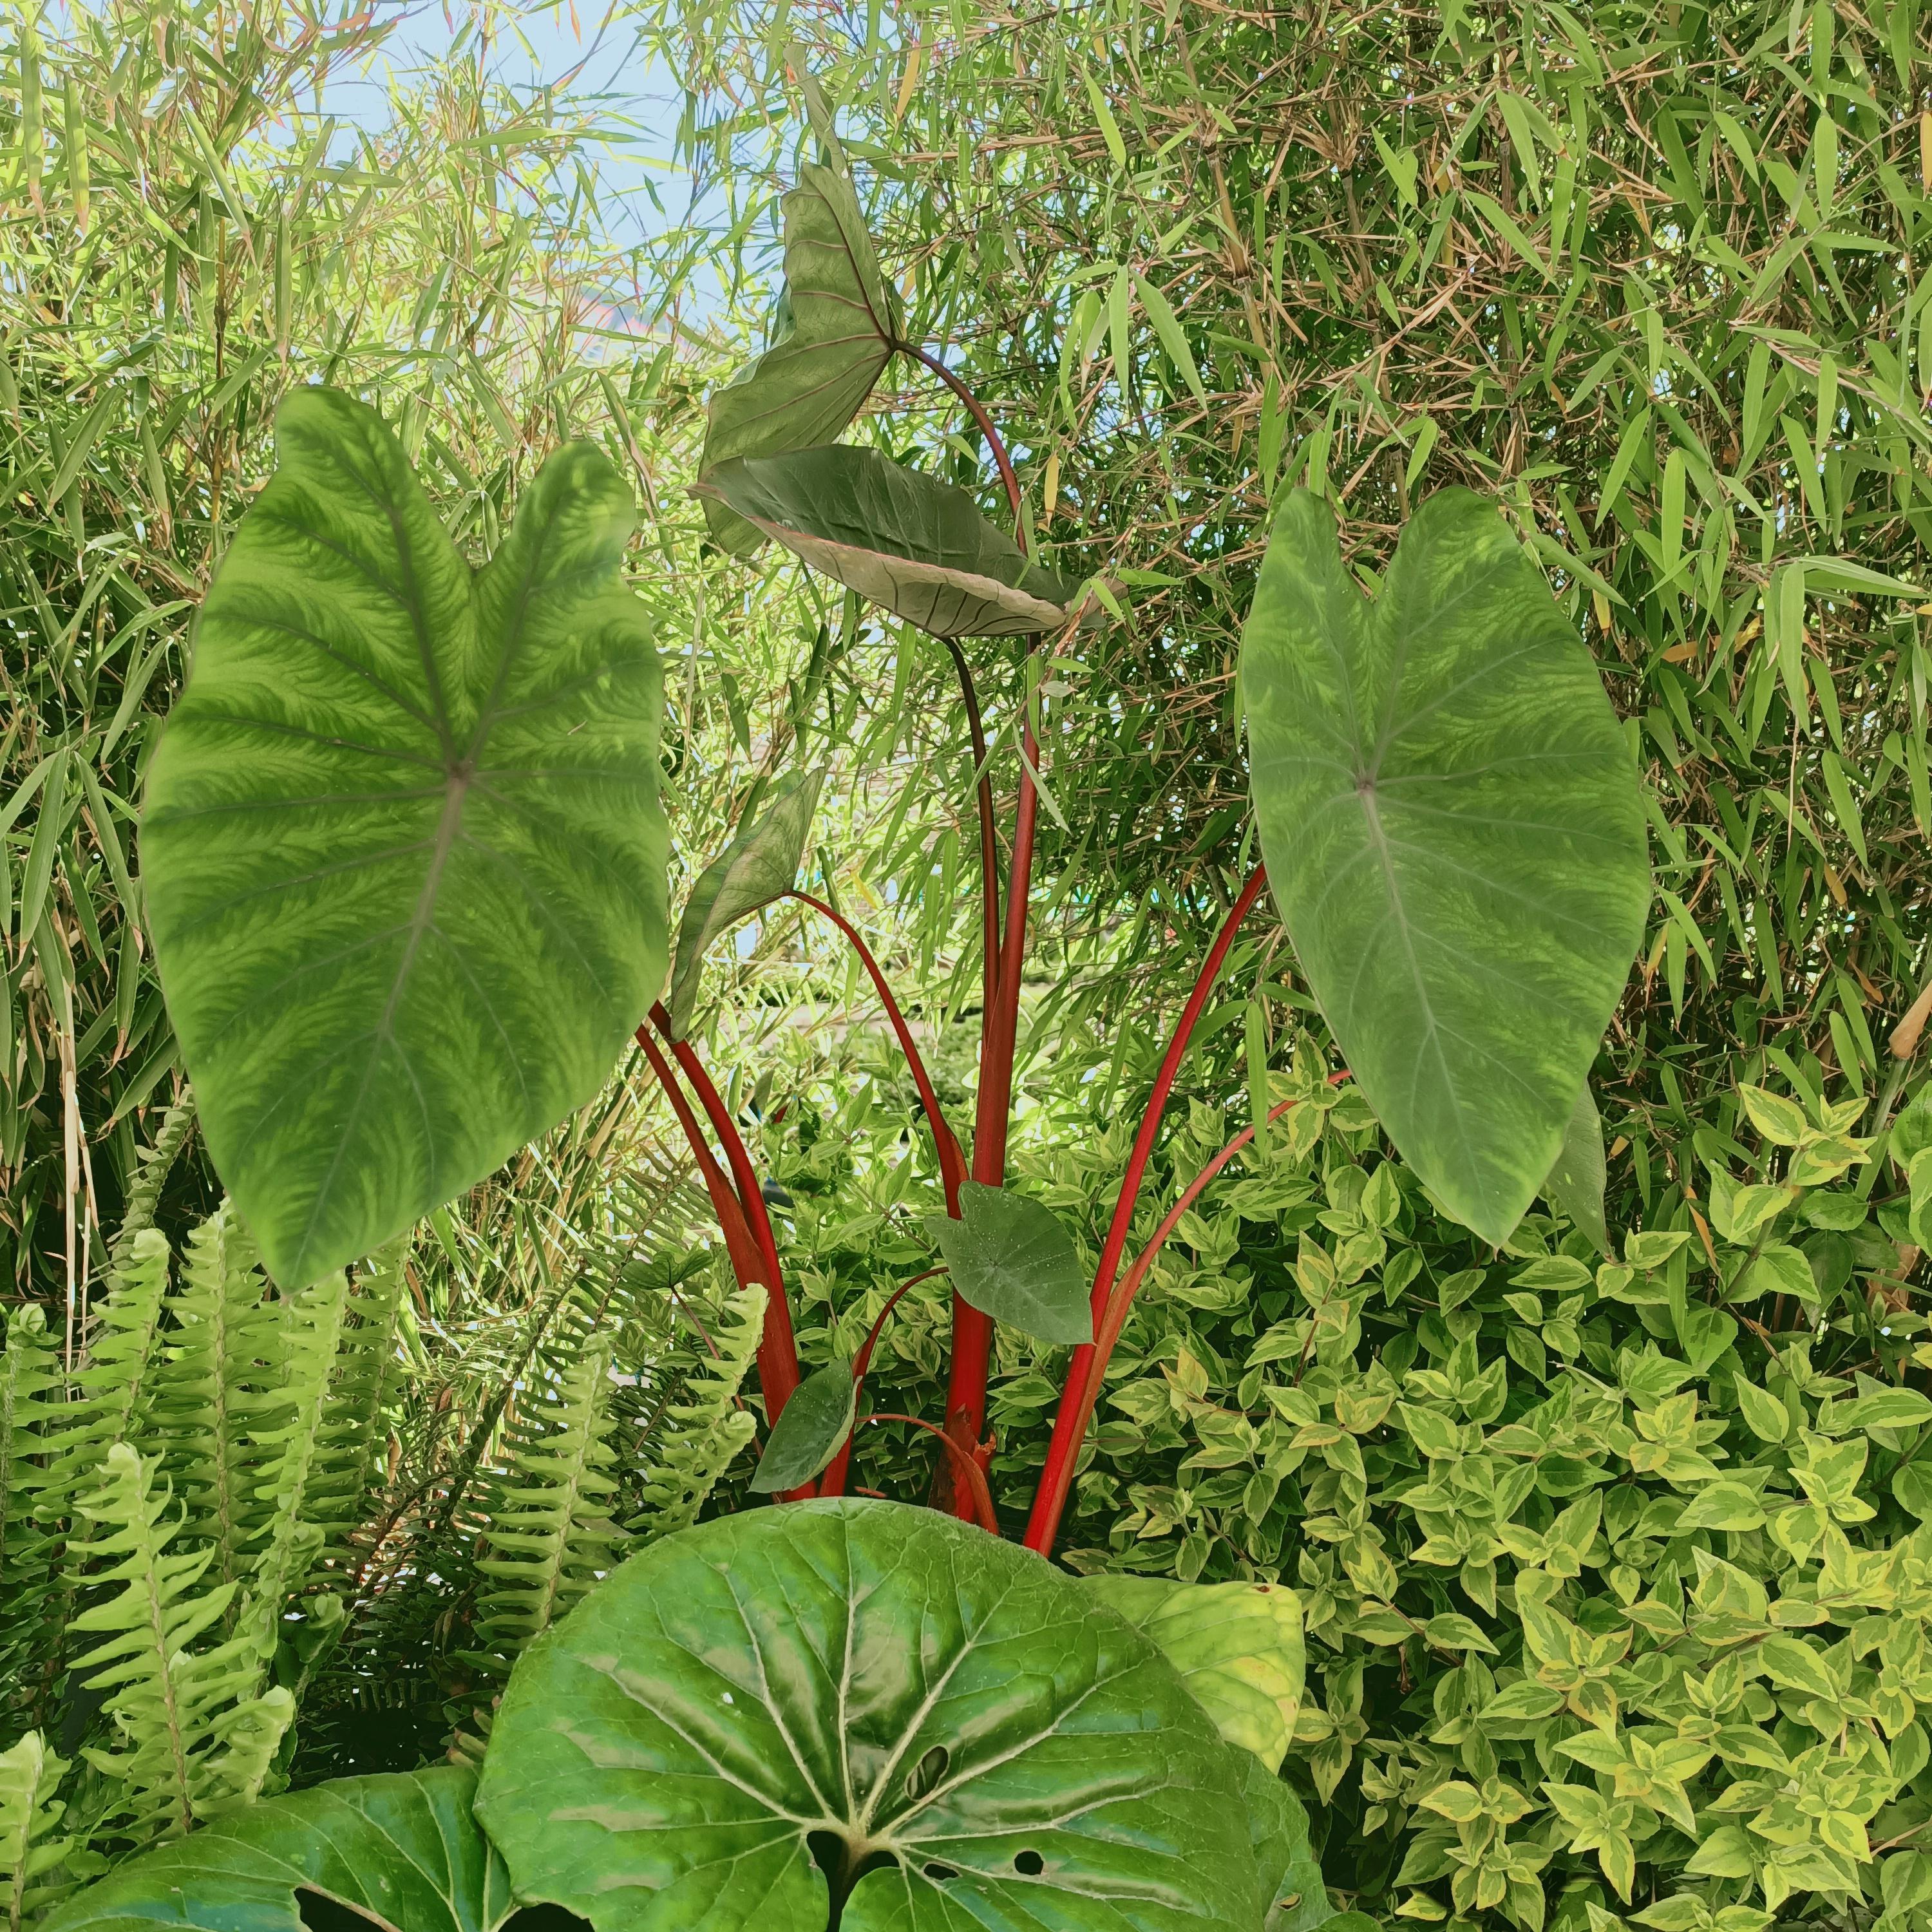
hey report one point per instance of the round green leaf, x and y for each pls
(759, 864)
(1012, 1258)
(404, 1851)
(919, 547)
(809, 1429)
(1575, 1182)
(971, 1740)
(403, 854)
(839, 322)
(1454, 831)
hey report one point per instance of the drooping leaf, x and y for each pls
(1237, 1646)
(403, 1850)
(1013, 1259)
(1454, 833)
(810, 1428)
(838, 321)
(918, 547)
(1294, 1899)
(988, 1744)
(758, 864)
(1575, 1182)
(402, 849)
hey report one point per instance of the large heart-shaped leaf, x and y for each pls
(404, 1852)
(838, 324)
(403, 850)
(1013, 1259)
(760, 863)
(1294, 1896)
(1238, 1647)
(1454, 833)
(919, 547)
(963, 1736)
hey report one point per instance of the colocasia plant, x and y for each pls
(406, 866)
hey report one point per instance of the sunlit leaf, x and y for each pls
(1454, 833)
(839, 320)
(920, 548)
(1012, 1258)
(403, 850)
(1238, 1645)
(759, 864)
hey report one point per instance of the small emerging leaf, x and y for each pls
(758, 865)
(917, 547)
(810, 1430)
(1013, 1259)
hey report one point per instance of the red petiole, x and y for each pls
(832, 1482)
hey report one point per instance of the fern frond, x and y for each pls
(291, 1541)
(220, 1382)
(32, 1855)
(550, 1535)
(699, 1436)
(195, 1731)
(112, 1390)
(29, 1381)
(155, 1163)
(352, 1437)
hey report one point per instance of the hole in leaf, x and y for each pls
(1029, 1863)
(939, 1873)
(329, 1915)
(927, 1773)
(544, 1919)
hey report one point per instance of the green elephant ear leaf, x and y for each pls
(1295, 1898)
(919, 547)
(1454, 831)
(1577, 1178)
(1237, 1646)
(838, 324)
(404, 1851)
(810, 1428)
(403, 854)
(1012, 1258)
(856, 1713)
(759, 866)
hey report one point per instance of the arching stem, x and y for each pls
(1070, 1424)
(951, 1160)
(832, 1482)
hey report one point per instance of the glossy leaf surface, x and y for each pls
(1013, 1259)
(1237, 1646)
(998, 1749)
(810, 1428)
(404, 1851)
(919, 547)
(760, 863)
(1454, 831)
(838, 321)
(403, 847)
(1577, 1176)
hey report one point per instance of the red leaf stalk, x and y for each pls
(952, 1159)
(1070, 1423)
